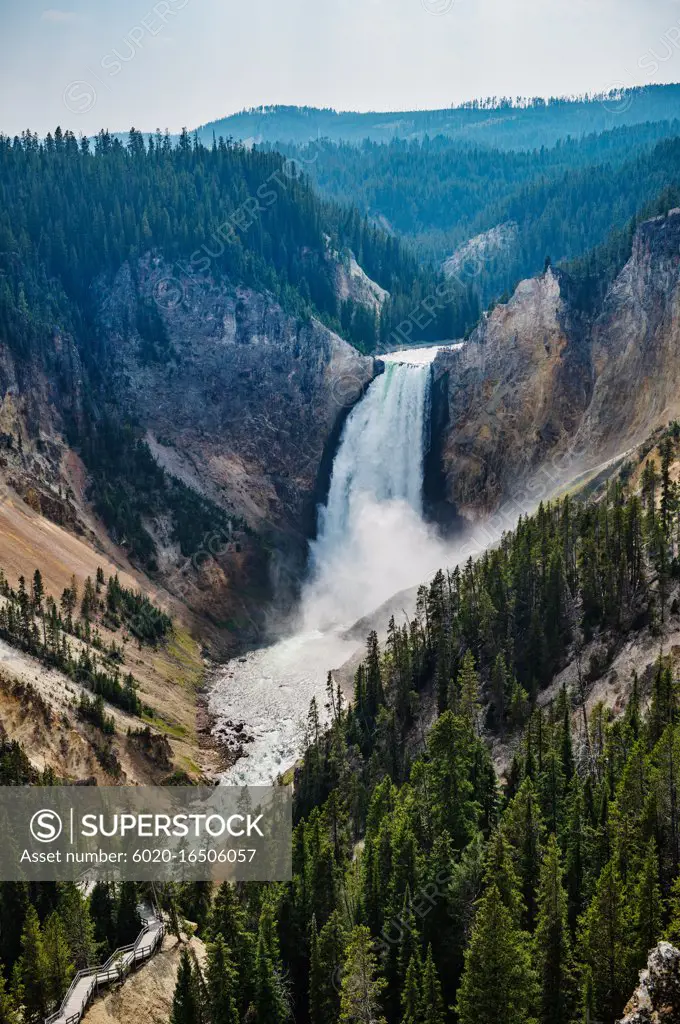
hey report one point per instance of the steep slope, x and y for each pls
(514, 395)
(171, 362)
(246, 410)
(148, 991)
(545, 387)
(635, 342)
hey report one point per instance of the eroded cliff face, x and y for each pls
(539, 388)
(635, 343)
(516, 391)
(241, 401)
(244, 403)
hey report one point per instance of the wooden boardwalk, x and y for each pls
(86, 983)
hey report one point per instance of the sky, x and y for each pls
(169, 63)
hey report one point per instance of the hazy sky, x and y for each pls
(168, 63)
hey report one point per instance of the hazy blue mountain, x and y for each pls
(496, 121)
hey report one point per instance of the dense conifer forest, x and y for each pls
(560, 202)
(428, 890)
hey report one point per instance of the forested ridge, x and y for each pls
(560, 202)
(496, 121)
(74, 210)
(440, 192)
(425, 889)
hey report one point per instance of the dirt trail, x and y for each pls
(147, 995)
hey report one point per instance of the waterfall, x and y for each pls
(372, 540)
(381, 454)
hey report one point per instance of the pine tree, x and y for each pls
(432, 1003)
(500, 872)
(499, 983)
(468, 689)
(409, 939)
(88, 604)
(552, 943)
(58, 960)
(30, 979)
(221, 982)
(227, 918)
(606, 946)
(37, 591)
(103, 914)
(411, 998)
(316, 978)
(186, 1001)
(647, 905)
(375, 696)
(78, 926)
(331, 952)
(270, 1004)
(361, 987)
(523, 826)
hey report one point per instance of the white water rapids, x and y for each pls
(371, 543)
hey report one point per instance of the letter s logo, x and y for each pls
(46, 826)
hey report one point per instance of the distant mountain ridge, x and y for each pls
(501, 122)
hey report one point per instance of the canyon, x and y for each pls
(249, 412)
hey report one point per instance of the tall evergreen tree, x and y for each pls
(186, 1004)
(58, 959)
(360, 997)
(606, 945)
(499, 982)
(431, 1003)
(31, 972)
(221, 983)
(553, 955)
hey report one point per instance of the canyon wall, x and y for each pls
(540, 387)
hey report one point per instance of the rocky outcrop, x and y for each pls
(239, 399)
(635, 343)
(516, 392)
(500, 241)
(539, 390)
(657, 998)
(352, 283)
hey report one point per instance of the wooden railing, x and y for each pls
(116, 968)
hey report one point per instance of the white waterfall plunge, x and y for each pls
(381, 453)
(373, 516)
(371, 543)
